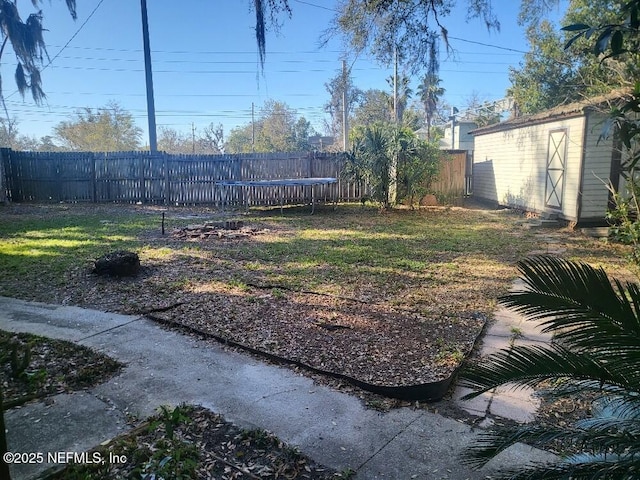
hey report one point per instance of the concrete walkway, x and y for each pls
(165, 367)
(507, 329)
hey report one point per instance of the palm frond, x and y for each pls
(612, 434)
(624, 407)
(571, 386)
(525, 365)
(596, 348)
(615, 415)
(584, 310)
(598, 442)
(570, 294)
(495, 441)
(583, 467)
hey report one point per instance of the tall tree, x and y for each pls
(110, 128)
(334, 107)
(277, 129)
(8, 132)
(550, 74)
(599, 73)
(211, 139)
(412, 29)
(376, 106)
(171, 140)
(241, 139)
(373, 108)
(10, 137)
(430, 92)
(208, 141)
(302, 130)
(48, 145)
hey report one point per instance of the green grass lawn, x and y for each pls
(403, 257)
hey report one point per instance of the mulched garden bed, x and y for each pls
(33, 367)
(376, 345)
(194, 443)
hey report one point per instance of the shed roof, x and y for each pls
(569, 110)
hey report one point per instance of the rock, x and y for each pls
(120, 263)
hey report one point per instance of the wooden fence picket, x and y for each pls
(142, 177)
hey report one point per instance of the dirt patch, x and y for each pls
(211, 230)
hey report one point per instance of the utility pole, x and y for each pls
(395, 84)
(253, 128)
(345, 107)
(151, 109)
(193, 138)
(452, 117)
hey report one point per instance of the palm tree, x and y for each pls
(596, 348)
(430, 94)
(371, 160)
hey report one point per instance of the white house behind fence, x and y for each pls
(553, 162)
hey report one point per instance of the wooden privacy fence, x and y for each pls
(161, 178)
(132, 177)
(454, 179)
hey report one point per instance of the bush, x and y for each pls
(393, 162)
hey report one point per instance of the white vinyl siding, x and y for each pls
(597, 169)
(510, 166)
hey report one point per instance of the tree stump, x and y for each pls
(120, 263)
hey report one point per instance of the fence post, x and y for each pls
(142, 191)
(167, 180)
(94, 178)
(468, 174)
(310, 160)
(239, 176)
(4, 183)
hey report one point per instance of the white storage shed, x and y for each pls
(553, 162)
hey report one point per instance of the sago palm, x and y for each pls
(595, 348)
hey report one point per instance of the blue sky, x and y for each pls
(205, 64)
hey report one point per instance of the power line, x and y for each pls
(487, 45)
(316, 6)
(197, 95)
(244, 62)
(75, 34)
(207, 52)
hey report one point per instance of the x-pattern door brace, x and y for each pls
(556, 157)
